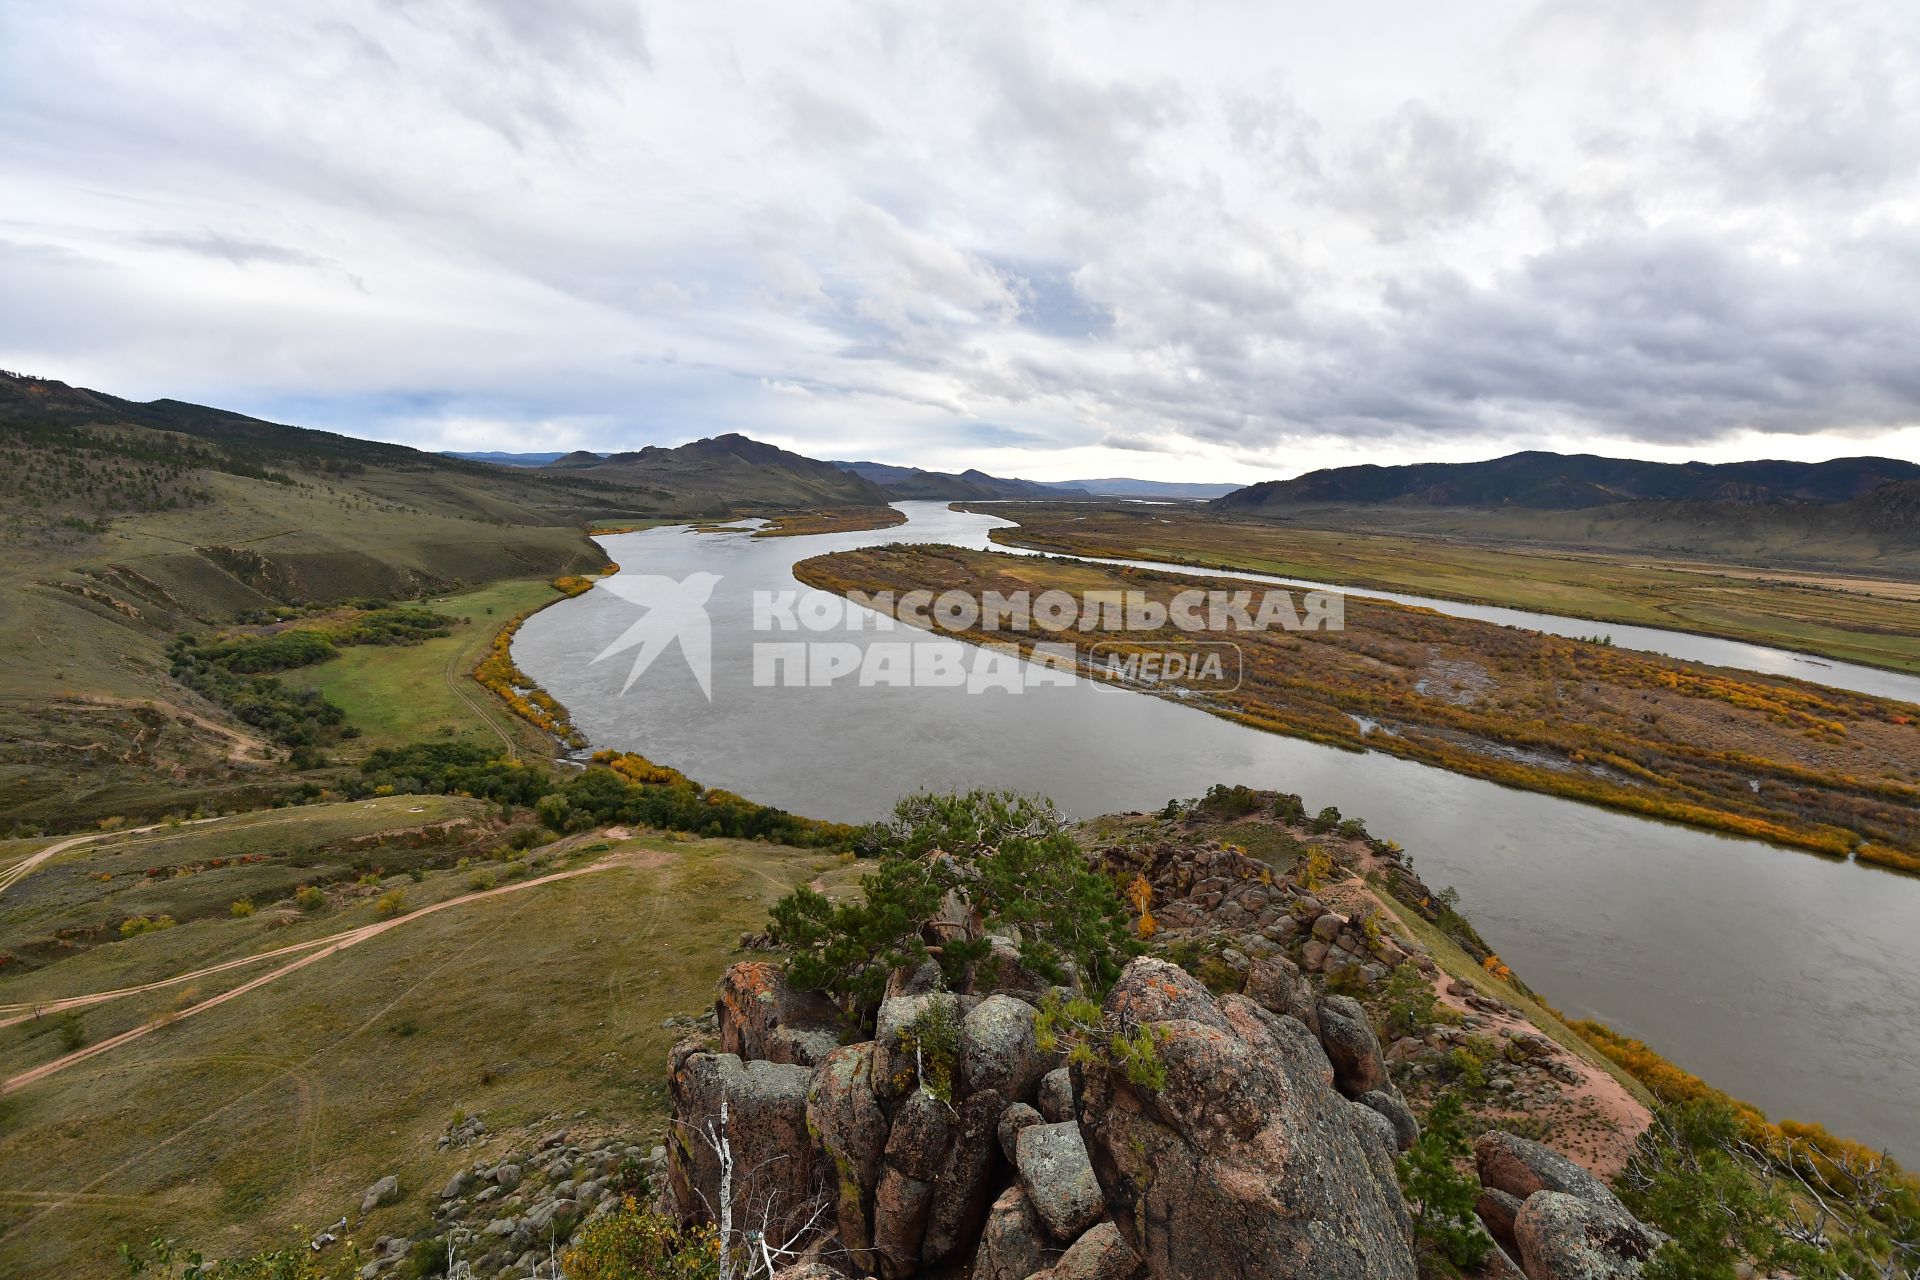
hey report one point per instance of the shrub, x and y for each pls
(482, 880)
(280, 652)
(620, 787)
(390, 904)
(632, 1244)
(554, 811)
(166, 1260)
(1078, 1026)
(134, 926)
(1408, 1003)
(292, 718)
(1682, 1180)
(1315, 869)
(242, 908)
(1468, 1062)
(72, 1032)
(309, 897)
(1223, 803)
(430, 1257)
(1440, 1196)
(1011, 857)
(933, 1037)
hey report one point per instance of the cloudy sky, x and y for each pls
(1200, 241)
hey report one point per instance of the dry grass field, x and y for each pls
(1852, 617)
(234, 1126)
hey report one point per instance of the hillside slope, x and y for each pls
(729, 473)
(1552, 481)
(124, 525)
(1859, 515)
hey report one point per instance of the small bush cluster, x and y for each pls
(633, 1244)
(1440, 1196)
(620, 787)
(1077, 1026)
(933, 1038)
(134, 926)
(296, 718)
(1010, 857)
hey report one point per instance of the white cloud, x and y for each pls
(1238, 237)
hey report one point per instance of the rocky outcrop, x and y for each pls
(998, 1050)
(963, 1180)
(1012, 1121)
(1520, 1167)
(1100, 1254)
(922, 1148)
(1497, 1210)
(1359, 1067)
(1216, 891)
(845, 1117)
(1246, 1162)
(762, 1018)
(1055, 1099)
(1560, 1221)
(1386, 1102)
(765, 1122)
(1276, 984)
(1053, 1164)
(385, 1191)
(509, 1232)
(1013, 1246)
(1564, 1237)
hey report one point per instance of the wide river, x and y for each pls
(1785, 978)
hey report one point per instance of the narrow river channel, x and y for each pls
(1783, 977)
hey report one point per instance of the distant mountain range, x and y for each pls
(917, 483)
(732, 469)
(1563, 482)
(510, 459)
(912, 482)
(1164, 490)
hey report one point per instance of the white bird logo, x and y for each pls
(676, 610)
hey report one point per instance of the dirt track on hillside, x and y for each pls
(328, 946)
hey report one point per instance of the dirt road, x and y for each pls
(326, 947)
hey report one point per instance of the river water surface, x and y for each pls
(1783, 977)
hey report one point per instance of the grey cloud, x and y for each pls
(817, 118)
(1419, 170)
(237, 249)
(1091, 136)
(1052, 302)
(1001, 227)
(1842, 116)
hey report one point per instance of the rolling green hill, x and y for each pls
(124, 525)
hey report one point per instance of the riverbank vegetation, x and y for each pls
(1774, 759)
(1854, 618)
(791, 524)
(619, 787)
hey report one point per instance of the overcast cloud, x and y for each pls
(1217, 240)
